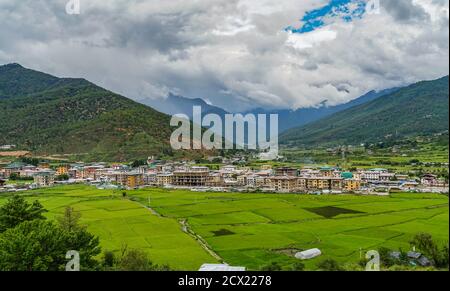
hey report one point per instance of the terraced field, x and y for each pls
(119, 222)
(254, 229)
(249, 229)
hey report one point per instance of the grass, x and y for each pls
(119, 222)
(253, 228)
(250, 230)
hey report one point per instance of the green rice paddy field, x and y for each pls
(249, 230)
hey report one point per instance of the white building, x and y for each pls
(309, 254)
(220, 268)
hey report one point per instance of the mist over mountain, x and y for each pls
(417, 110)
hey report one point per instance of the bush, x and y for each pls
(272, 267)
(329, 265)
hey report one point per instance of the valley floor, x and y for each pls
(250, 230)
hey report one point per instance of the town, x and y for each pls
(20, 176)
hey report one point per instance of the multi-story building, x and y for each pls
(134, 180)
(430, 180)
(164, 179)
(242, 180)
(286, 171)
(351, 185)
(193, 177)
(326, 171)
(150, 179)
(284, 183)
(62, 170)
(215, 180)
(14, 168)
(44, 178)
(324, 183)
(387, 176)
(370, 175)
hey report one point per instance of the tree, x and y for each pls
(14, 176)
(63, 177)
(425, 244)
(36, 245)
(137, 260)
(109, 259)
(69, 220)
(79, 239)
(138, 163)
(298, 266)
(329, 265)
(385, 257)
(17, 210)
(41, 245)
(443, 260)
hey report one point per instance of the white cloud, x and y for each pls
(233, 53)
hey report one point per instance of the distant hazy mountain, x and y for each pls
(293, 118)
(287, 118)
(419, 109)
(50, 115)
(181, 105)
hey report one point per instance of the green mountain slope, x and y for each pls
(49, 115)
(419, 109)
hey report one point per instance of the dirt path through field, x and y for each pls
(186, 229)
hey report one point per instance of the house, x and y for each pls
(44, 165)
(430, 180)
(424, 262)
(419, 259)
(401, 177)
(15, 168)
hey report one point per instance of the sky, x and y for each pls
(236, 54)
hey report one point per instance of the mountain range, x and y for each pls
(66, 116)
(49, 115)
(174, 104)
(287, 119)
(416, 110)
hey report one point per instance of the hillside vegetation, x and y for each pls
(49, 115)
(417, 110)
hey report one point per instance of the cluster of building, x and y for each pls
(227, 178)
(41, 175)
